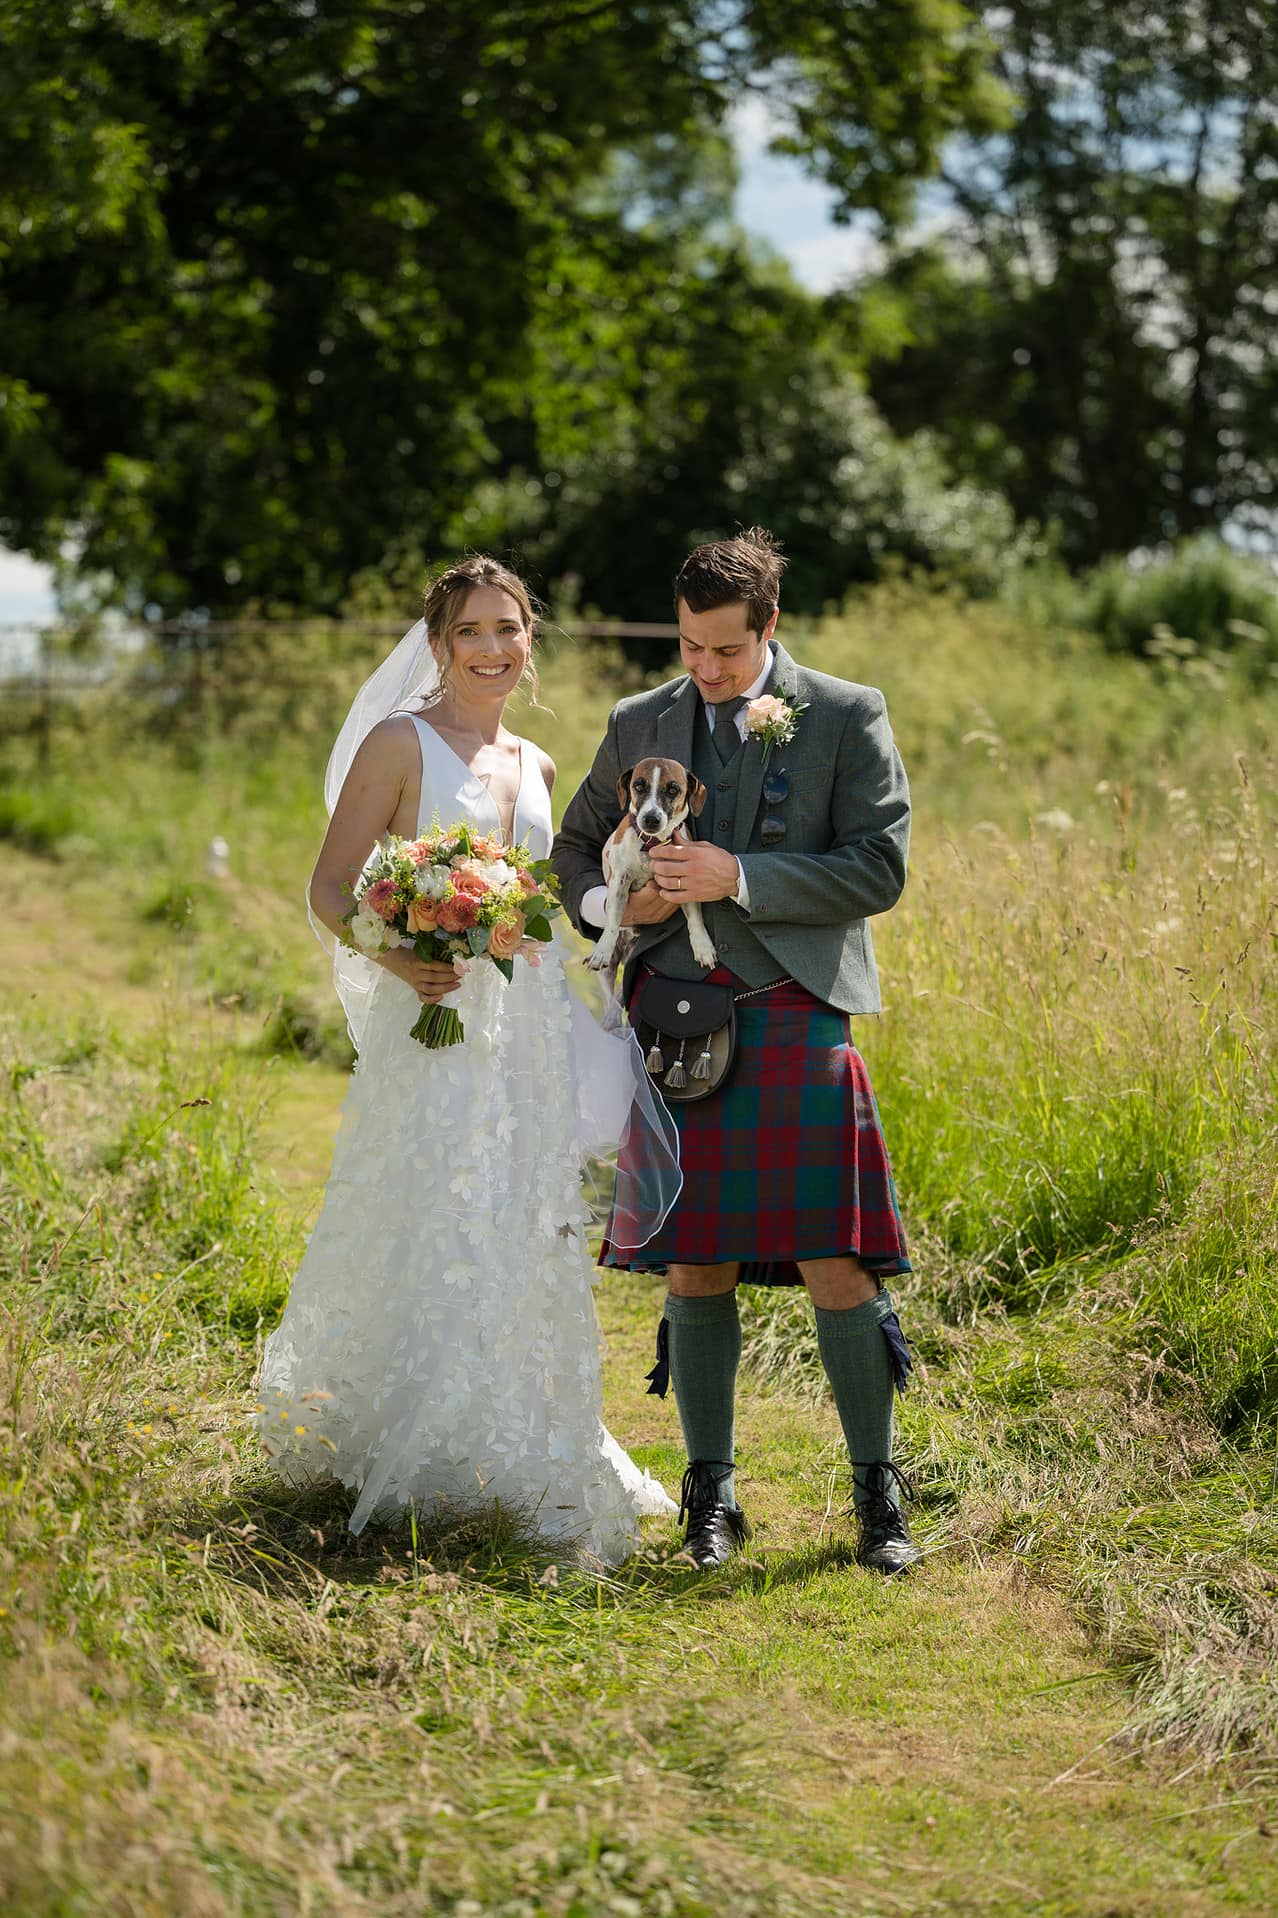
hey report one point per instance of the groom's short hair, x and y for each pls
(748, 567)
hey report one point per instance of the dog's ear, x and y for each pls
(696, 795)
(623, 789)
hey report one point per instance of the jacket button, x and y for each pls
(723, 786)
(723, 825)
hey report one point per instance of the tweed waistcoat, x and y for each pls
(729, 930)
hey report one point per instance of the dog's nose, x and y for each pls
(650, 820)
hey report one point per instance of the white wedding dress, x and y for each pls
(440, 1341)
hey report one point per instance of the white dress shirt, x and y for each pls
(594, 904)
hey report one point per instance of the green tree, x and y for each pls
(271, 270)
(1093, 330)
(721, 397)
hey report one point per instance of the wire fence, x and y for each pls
(188, 669)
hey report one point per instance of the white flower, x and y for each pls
(431, 882)
(500, 874)
(370, 932)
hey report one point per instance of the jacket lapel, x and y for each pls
(675, 725)
(783, 680)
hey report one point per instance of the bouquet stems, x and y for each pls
(438, 1026)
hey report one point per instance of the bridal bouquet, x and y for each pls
(453, 894)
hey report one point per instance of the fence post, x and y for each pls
(44, 705)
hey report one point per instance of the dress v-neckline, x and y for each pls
(479, 781)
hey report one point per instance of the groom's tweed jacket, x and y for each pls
(842, 860)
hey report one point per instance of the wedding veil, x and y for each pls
(406, 674)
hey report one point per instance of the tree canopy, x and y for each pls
(1093, 329)
(287, 283)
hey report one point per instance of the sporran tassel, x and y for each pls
(677, 1077)
(655, 1062)
(701, 1069)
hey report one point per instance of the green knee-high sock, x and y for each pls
(858, 1364)
(705, 1347)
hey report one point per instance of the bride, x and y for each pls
(439, 1342)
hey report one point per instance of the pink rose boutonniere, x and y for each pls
(772, 721)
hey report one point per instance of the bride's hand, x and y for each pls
(431, 979)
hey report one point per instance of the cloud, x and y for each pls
(26, 588)
(777, 201)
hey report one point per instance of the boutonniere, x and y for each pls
(772, 721)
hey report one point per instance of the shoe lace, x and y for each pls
(700, 1489)
(878, 1511)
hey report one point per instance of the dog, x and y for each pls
(657, 795)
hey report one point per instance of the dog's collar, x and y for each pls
(646, 839)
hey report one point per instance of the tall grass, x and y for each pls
(1076, 1031)
(1076, 1067)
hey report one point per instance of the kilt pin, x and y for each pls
(787, 1160)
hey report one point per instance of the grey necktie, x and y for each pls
(725, 735)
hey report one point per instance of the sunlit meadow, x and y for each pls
(217, 1704)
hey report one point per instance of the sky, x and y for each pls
(780, 203)
(776, 201)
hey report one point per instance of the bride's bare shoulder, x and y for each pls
(389, 754)
(394, 734)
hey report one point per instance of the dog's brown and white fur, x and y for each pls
(658, 794)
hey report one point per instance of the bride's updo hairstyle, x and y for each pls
(445, 603)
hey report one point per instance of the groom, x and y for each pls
(785, 1174)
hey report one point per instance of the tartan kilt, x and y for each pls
(787, 1161)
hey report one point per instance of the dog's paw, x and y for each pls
(601, 959)
(706, 956)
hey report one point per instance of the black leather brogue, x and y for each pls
(883, 1537)
(715, 1530)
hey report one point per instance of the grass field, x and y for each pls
(215, 1703)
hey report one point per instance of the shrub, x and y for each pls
(37, 820)
(1182, 606)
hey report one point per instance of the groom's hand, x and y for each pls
(646, 907)
(696, 871)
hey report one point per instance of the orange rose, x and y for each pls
(527, 884)
(503, 940)
(470, 879)
(423, 915)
